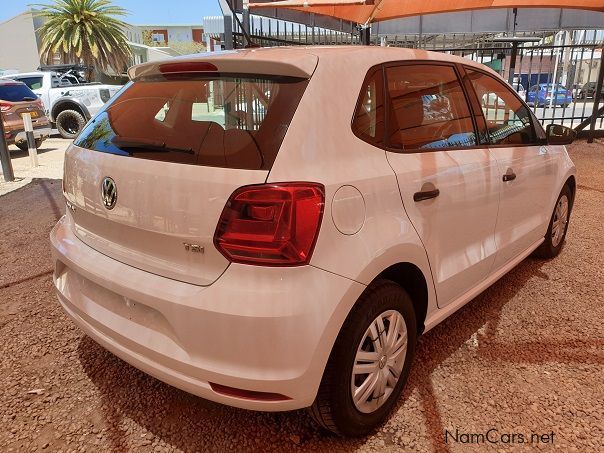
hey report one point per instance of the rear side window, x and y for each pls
(220, 121)
(368, 121)
(427, 109)
(16, 92)
(508, 119)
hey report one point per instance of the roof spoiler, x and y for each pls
(250, 61)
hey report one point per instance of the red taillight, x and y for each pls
(4, 106)
(271, 224)
(187, 66)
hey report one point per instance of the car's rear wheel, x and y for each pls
(70, 123)
(369, 363)
(558, 225)
(23, 145)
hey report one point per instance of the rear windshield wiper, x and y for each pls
(141, 147)
(28, 98)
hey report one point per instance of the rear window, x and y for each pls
(16, 92)
(34, 83)
(220, 121)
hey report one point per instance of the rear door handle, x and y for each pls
(426, 195)
(510, 176)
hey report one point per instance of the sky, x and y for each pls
(140, 11)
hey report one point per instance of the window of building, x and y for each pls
(428, 109)
(508, 119)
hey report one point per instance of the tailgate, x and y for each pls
(160, 208)
(150, 175)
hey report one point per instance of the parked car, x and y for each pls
(291, 259)
(17, 99)
(576, 90)
(544, 94)
(589, 89)
(70, 102)
(520, 89)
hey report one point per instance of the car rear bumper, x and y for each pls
(555, 101)
(20, 136)
(257, 329)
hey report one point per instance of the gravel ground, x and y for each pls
(50, 160)
(526, 356)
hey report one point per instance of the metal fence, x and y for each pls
(556, 73)
(273, 32)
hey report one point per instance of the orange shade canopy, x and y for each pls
(367, 11)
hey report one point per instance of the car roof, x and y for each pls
(301, 61)
(10, 82)
(28, 74)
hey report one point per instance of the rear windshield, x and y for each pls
(34, 82)
(16, 92)
(220, 121)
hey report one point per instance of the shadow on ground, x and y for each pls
(15, 153)
(187, 420)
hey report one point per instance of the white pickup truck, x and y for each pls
(68, 102)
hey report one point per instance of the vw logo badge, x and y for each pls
(109, 192)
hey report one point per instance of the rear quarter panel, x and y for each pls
(321, 147)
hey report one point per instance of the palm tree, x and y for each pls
(84, 31)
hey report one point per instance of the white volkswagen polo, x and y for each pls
(274, 228)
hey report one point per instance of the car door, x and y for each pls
(449, 183)
(527, 168)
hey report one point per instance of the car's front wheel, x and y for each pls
(369, 363)
(558, 225)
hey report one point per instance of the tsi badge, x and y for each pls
(108, 192)
(195, 248)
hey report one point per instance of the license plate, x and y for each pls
(33, 114)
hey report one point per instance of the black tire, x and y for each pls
(70, 123)
(333, 407)
(548, 249)
(23, 145)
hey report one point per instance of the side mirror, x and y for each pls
(559, 135)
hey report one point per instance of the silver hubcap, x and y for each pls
(379, 361)
(560, 220)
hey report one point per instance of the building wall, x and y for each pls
(173, 33)
(133, 34)
(588, 71)
(19, 49)
(156, 53)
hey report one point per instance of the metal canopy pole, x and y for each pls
(515, 41)
(7, 165)
(228, 24)
(365, 33)
(245, 18)
(597, 95)
(513, 63)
